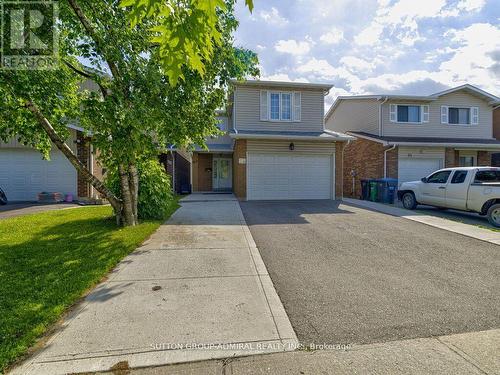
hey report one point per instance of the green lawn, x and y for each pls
(48, 261)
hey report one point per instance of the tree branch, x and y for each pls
(73, 159)
(93, 34)
(90, 76)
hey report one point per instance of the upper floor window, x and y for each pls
(459, 115)
(280, 106)
(408, 113)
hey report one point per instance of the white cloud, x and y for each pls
(471, 5)
(273, 17)
(292, 47)
(332, 37)
(283, 77)
(357, 65)
(401, 19)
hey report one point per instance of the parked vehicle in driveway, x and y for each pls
(3, 198)
(472, 189)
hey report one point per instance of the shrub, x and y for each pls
(155, 192)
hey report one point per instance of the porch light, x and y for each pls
(291, 146)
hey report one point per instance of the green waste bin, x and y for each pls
(373, 191)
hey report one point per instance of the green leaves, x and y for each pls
(185, 32)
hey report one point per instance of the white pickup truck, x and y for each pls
(473, 189)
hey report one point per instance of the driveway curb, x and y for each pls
(433, 221)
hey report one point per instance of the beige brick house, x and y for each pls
(408, 137)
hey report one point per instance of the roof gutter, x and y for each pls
(292, 137)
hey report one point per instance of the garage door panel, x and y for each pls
(24, 174)
(276, 176)
(413, 169)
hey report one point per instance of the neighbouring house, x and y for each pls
(408, 137)
(178, 167)
(275, 145)
(495, 157)
(24, 173)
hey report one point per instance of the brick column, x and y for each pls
(451, 158)
(83, 154)
(240, 170)
(339, 167)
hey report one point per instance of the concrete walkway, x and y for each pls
(197, 289)
(437, 222)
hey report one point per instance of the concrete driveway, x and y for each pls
(349, 275)
(25, 208)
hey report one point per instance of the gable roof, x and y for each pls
(490, 98)
(305, 85)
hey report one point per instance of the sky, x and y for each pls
(416, 47)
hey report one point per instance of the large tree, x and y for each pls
(144, 101)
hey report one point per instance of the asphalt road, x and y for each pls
(349, 275)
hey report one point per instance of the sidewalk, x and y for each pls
(434, 221)
(462, 354)
(198, 280)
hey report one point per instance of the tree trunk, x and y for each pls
(115, 202)
(134, 189)
(128, 208)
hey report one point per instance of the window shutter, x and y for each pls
(264, 111)
(444, 114)
(393, 114)
(475, 115)
(297, 106)
(425, 113)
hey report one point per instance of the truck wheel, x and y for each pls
(494, 215)
(409, 201)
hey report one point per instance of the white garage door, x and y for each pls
(281, 176)
(24, 174)
(413, 169)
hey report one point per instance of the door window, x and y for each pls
(459, 177)
(439, 177)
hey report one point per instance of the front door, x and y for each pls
(222, 177)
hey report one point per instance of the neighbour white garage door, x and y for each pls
(413, 169)
(24, 174)
(281, 176)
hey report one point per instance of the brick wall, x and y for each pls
(366, 159)
(240, 170)
(202, 172)
(496, 123)
(483, 158)
(451, 158)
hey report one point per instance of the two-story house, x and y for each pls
(275, 145)
(408, 137)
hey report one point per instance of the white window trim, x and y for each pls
(409, 122)
(471, 109)
(292, 106)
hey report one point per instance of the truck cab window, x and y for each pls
(439, 177)
(459, 177)
(487, 176)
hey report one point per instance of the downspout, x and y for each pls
(380, 132)
(385, 159)
(91, 167)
